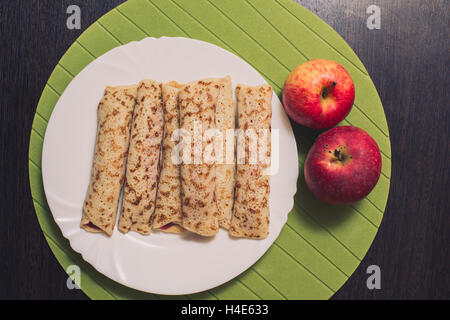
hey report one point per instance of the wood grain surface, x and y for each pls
(408, 60)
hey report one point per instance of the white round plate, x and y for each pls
(158, 263)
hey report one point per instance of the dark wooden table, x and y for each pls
(408, 60)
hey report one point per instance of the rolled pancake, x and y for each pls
(226, 164)
(197, 101)
(167, 216)
(251, 208)
(142, 171)
(113, 134)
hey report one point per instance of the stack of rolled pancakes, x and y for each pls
(138, 128)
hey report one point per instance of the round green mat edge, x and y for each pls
(253, 283)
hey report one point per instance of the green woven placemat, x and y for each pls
(320, 246)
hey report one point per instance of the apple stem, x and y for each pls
(326, 91)
(339, 155)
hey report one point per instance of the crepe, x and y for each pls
(197, 101)
(143, 160)
(226, 164)
(113, 133)
(251, 208)
(167, 216)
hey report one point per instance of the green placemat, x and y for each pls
(320, 246)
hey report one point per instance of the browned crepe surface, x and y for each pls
(113, 133)
(251, 208)
(143, 160)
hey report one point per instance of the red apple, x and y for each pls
(343, 165)
(318, 94)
